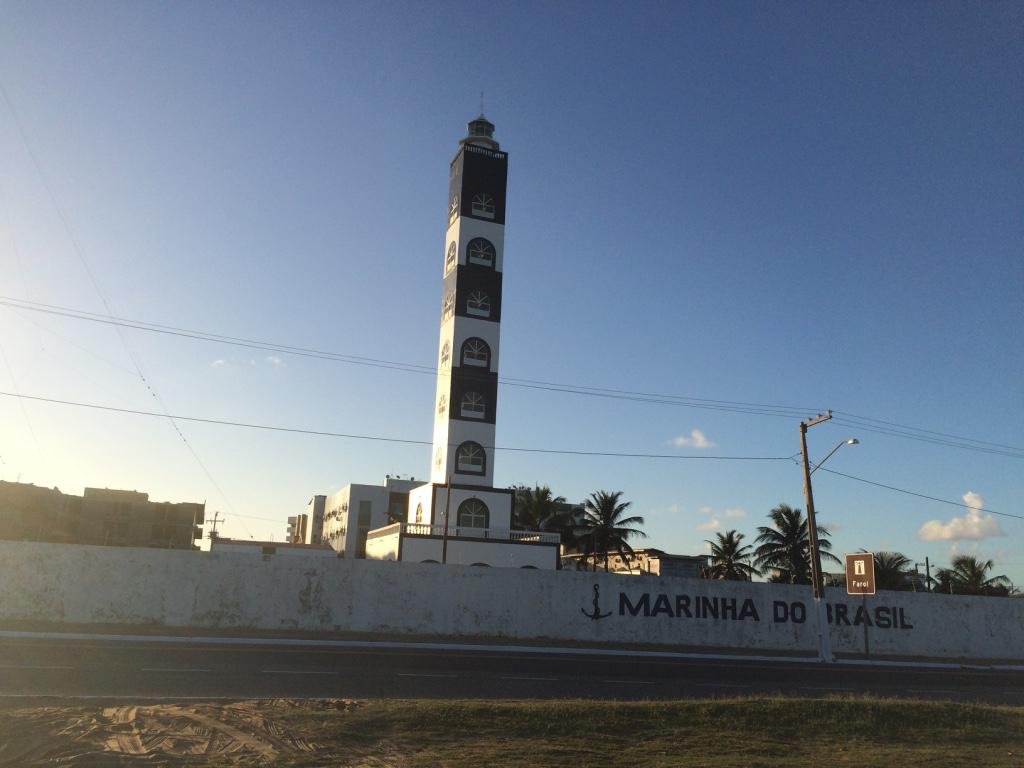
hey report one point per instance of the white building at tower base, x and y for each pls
(495, 544)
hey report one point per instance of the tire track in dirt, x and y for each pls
(161, 734)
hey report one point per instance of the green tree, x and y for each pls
(535, 508)
(786, 546)
(730, 558)
(604, 528)
(969, 576)
(891, 570)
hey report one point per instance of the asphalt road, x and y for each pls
(129, 669)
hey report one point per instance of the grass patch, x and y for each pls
(737, 732)
(719, 733)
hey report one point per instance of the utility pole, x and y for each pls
(444, 534)
(927, 574)
(213, 531)
(824, 645)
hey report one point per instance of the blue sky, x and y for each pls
(812, 205)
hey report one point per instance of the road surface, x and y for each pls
(32, 667)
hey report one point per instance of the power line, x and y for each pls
(926, 431)
(1011, 453)
(615, 454)
(919, 495)
(103, 298)
(760, 409)
(870, 424)
(378, 438)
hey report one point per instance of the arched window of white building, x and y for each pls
(480, 251)
(470, 459)
(451, 257)
(476, 352)
(473, 513)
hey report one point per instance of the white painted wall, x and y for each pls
(338, 519)
(491, 553)
(279, 549)
(107, 585)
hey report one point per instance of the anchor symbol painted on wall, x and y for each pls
(596, 613)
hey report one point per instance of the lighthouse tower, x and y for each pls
(459, 517)
(467, 363)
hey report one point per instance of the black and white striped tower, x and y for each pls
(467, 379)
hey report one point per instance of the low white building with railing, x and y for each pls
(498, 547)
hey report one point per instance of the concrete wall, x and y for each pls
(84, 584)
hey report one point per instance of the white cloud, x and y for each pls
(705, 510)
(696, 439)
(974, 525)
(736, 512)
(218, 363)
(711, 525)
(274, 360)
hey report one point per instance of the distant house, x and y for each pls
(102, 516)
(351, 513)
(643, 561)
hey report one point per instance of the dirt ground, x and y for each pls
(236, 733)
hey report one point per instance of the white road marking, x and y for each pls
(175, 671)
(32, 666)
(295, 672)
(308, 644)
(514, 677)
(422, 674)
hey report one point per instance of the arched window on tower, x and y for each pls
(483, 205)
(476, 352)
(452, 257)
(448, 305)
(442, 405)
(473, 406)
(480, 251)
(473, 513)
(478, 304)
(470, 459)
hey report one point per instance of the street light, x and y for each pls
(824, 649)
(850, 441)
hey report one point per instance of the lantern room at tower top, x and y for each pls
(459, 516)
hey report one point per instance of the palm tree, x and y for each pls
(891, 569)
(603, 529)
(535, 507)
(969, 576)
(730, 559)
(786, 547)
